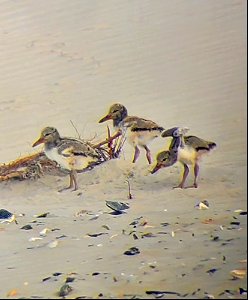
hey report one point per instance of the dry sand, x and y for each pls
(175, 62)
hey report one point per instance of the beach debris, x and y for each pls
(228, 292)
(69, 279)
(211, 271)
(202, 205)
(159, 294)
(243, 213)
(43, 215)
(129, 190)
(238, 273)
(65, 290)
(46, 278)
(96, 234)
(106, 227)
(118, 207)
(132, 251)
(6, 216)
(147, 235)
(81, 213)
(242, 291)
(164, 224)
(135, 236)
(195, 292)
(26, 227)
(12, 293)
(34, 239)
(208, 296)
(44, 231)
(53, 244)
(215, 238)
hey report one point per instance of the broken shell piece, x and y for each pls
(6, 216)
(53, 244)
(65, 290)
(44, 215)
(117, 206)
(202, 205)
(44, 231)
(33, 239)
(132, 251)
(240, 274)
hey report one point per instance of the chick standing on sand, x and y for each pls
(139, 131)
(185, 149)
(71, 154)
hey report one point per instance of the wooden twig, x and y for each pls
(79, 137)
(129, 190)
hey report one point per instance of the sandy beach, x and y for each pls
(178, 63)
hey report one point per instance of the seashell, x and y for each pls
(65, 290)
(117, 206)
(6, 216)
(44, 231)
(202, 205)
(53, 244)
(238, 273)
(33, 239)
(132, 251)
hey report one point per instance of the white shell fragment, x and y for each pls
(53, 244)
(202, 205)
(45, 231)
(33, 239)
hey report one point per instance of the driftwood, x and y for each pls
(33, 166)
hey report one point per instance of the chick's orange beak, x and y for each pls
(38, 142)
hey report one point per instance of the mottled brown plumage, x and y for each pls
(71, 154)
(185, 149)
(139, 130)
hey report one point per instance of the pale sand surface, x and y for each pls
(175, 62)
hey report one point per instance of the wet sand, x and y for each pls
(179, 63)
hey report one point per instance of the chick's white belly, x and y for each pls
(141, 138)
(187, 155)
(71, 162)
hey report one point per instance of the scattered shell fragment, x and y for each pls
(27, 227)
(53, 244)
(44, 215)
(240, 274)
(132, 251)
(6, 216)
(117, 206)
(33, 239)
(81, 213)
(12, 293)
(44, 231)
(202, 205)
(65, 290)
(172, 233)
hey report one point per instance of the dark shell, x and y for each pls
(117, 206)
(4, 214)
